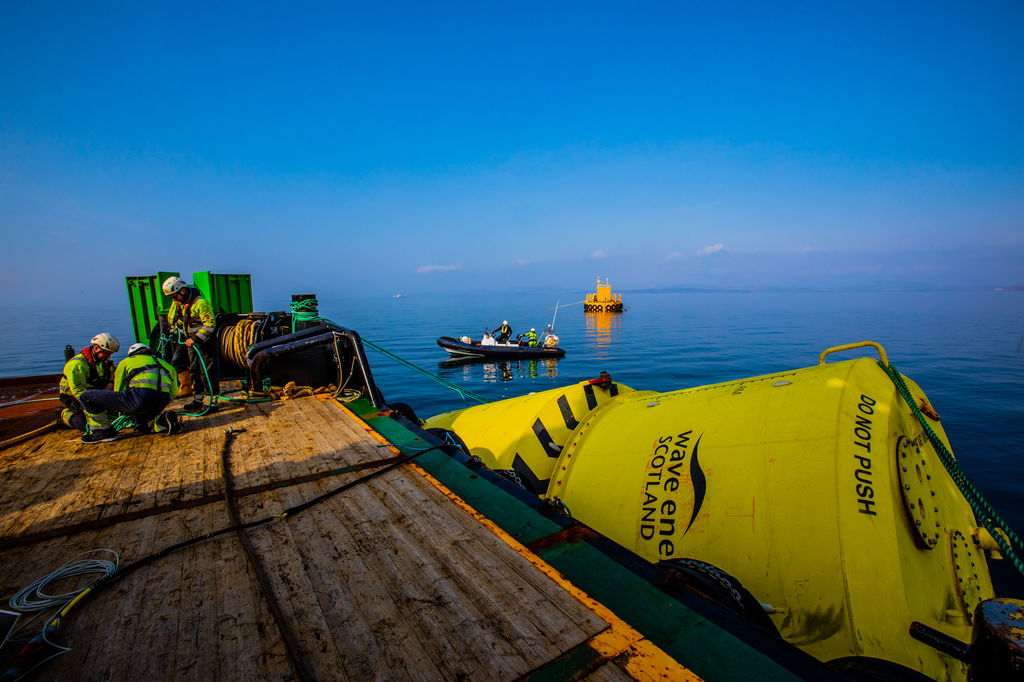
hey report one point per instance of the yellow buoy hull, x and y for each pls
(816, 488)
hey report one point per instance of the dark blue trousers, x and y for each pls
(142, 403)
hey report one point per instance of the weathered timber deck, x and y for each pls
(388, 580)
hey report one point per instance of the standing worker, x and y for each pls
(143, 386)
(191, 319)
(92, 368)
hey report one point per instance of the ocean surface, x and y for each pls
(963, 348)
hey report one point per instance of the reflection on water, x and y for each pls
(494, 371)
(602, 330)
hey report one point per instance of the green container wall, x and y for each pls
(147, 303)
(226, 293)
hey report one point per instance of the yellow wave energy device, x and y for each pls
(816, 488)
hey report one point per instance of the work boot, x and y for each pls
(100, 436)
(193, 407)
(61, 423)
(184, 384)
(167, 423)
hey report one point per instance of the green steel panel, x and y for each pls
(201, 281)
(163, 302)
(226, 293)
(147, 303)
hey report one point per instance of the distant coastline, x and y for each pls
(881, 288)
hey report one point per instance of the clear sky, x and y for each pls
(430, 146)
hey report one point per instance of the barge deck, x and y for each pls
(416, 573)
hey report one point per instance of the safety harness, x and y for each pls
(160, 371)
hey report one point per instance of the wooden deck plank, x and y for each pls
(131, 609)
(122, 473)
(40, 475)
(195, 626)
(311, 537)
(489, 570)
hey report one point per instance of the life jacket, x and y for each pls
(93, 378)
(94, 374)
(180, 317)
(183, 311)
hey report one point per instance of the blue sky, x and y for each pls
(429, 147)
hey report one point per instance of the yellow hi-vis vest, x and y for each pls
(146, 371)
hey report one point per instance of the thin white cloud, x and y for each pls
(708, 250)
(673, 255)
(522, 261)
(426, 269)
(598, 254)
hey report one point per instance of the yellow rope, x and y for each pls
(236, 340)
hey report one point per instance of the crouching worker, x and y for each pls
(90, 369)
(143, 386)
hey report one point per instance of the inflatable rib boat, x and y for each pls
(461, 348)
(827, 497)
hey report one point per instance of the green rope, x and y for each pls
(305, 311)
(458, 389)
(32, 400)
(124, 422)
(1008, 541)
(206, 373)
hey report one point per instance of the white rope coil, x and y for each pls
(35, 598)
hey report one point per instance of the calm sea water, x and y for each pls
(963, 348)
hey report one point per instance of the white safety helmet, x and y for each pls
(136, 347)
(504, 321)
(173, 285)
(532, 329)
(105, 341)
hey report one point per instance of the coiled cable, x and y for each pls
(36, 598)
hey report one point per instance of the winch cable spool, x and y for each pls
(233, 340)
(306, 311)
(109, 578)
(237, 339)
(1009, 543)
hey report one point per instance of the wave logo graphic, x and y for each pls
(699, 482)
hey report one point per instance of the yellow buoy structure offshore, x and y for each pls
(603, 300)
(819, 491)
